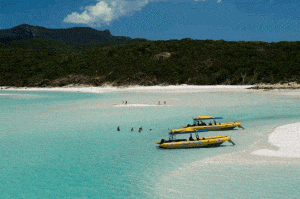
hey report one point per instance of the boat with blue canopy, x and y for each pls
(212, 125)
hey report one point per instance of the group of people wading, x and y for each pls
(140, 129)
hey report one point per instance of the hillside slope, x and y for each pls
(186, 61)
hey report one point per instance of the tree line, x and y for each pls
(194, 62)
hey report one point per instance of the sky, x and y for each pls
(230, 20)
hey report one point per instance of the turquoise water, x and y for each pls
(65, 145)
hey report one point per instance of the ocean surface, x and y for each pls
(66, 145)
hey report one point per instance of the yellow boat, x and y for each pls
(212, 141)
(212, 126)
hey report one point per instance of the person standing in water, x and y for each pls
(118, 128)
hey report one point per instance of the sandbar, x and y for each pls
(287, 139)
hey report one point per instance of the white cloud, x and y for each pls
(106, 11)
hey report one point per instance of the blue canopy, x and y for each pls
(188, 132)
(206, 118)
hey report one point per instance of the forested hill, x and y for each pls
(70, 39)
(186, 61)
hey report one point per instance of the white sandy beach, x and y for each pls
(175, 88)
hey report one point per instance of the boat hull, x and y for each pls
(201, 142)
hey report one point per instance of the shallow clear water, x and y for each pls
(65, 145)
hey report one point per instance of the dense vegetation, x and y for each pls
(186, 61)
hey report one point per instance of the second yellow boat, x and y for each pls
(199, 124)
